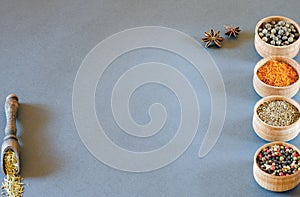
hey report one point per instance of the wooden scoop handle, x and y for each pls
(11, 108)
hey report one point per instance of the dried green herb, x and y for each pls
(278, 113)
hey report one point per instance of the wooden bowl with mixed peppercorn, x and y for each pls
(276, 118)
(276, 166)
(277, 35)
(276, 75)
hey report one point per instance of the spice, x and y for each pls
(212, 37)
(278, 33)
(278, 113)
(12, 185)
(279, 160)
(277, 73)
(232, 31)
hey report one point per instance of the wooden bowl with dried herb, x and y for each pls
(276, 118)
(276, 166)
(277, 35)
(276, 75)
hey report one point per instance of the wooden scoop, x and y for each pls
(10, 139)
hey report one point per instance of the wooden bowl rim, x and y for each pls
(277, 143)
(276, 97)
(270, 18)
(263, 61)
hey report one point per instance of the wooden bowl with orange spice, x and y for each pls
(276, 75)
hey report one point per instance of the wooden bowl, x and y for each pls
(271, 182)
(275, 133)
(264, 89)
(264, 49)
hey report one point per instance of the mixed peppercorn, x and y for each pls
(279, 160)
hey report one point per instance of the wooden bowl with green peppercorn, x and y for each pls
(277, 35)
(276, 75)
(276, 166)
(276, 118)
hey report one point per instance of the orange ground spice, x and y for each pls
(277, 73)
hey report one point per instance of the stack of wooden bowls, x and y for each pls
(275, 134)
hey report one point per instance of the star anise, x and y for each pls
(212, 37)
(232, 31)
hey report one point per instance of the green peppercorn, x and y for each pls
(278, 33)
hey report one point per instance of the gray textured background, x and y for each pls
(42, 44)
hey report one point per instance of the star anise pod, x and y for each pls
(212, 37)
(232, 31)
